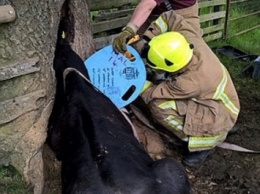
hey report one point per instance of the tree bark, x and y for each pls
(27, 83)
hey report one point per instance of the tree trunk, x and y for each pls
(27, 82)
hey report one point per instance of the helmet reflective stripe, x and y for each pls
(169, 52)
(161, 24)
(201, 143)
(220, 95)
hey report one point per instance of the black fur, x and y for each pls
(95, 143)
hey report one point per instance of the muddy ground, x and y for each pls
(227, 172)
(224, 172)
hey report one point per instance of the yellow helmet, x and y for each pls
(169, 52)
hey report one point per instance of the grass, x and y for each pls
(249, 43)
(11, 182)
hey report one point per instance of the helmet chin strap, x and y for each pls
(160, 75)
(145, 50)
(156, 76)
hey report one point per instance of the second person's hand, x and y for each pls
(119, 43)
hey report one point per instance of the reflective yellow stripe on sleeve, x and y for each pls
(161, 24)
(177, 126)
(168, 105)
(147, 84)
(220, 95)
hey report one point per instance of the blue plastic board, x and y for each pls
(116, 76)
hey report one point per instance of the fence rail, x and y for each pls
(108, 18)
(97, 5)
(249, 17)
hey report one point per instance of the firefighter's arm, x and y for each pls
(168, 21)
(171, 89)
(164, 23)
(153, 92)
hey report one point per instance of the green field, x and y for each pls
(248, 43)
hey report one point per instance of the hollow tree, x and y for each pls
(27, 82)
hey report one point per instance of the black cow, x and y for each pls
(96, 144)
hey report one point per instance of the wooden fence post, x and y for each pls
(225, 34)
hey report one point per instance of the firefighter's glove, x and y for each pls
(146, 85)
(119, 43)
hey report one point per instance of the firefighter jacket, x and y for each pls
(203, 90)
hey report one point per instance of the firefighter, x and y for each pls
(193, 97)
(149, 10)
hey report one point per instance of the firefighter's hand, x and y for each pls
(119, 43)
